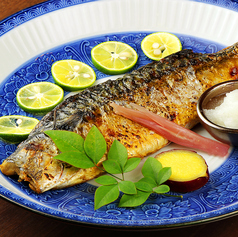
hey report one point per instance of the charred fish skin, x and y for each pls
(97, 97)
(170, 87)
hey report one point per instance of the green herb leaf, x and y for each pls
(106, 180)
(75, 158)
(143, 186)
(163, 175)
(105, 195)
(162, 189)
(112, 167)
(131, 164)
(151, 182)
(118, 153)
(151, 168)
(133, 200)
(66, 141)
(95, 145)
(127, 187)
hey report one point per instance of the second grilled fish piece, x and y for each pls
(170, 87)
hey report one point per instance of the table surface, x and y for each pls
(17, 221)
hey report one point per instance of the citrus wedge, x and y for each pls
(39, 97)
(160, 44)
(72, 75)
(113, 57)
(16, 128)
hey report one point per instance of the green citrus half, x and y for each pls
(113, 57)
(39, 97)
(72, 75)
(16, 128)
(160, 44)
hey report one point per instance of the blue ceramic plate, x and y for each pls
(33, 39)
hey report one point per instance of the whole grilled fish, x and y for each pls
(170, 87)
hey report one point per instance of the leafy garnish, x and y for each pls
(95, 145)
(66, 141)
(88, 153)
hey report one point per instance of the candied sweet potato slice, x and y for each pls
(189, 169)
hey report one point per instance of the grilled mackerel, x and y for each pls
(170, 88)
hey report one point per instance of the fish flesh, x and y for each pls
(170, 87)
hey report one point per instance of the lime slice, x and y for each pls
(16, 128)
(72, 75)
(160, 44)
(39, 97)
(113, 57)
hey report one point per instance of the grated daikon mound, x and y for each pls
(226, 114)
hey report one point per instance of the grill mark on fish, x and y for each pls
(170, 87)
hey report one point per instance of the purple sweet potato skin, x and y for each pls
(188, 186)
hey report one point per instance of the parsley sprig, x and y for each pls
(87, 153)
